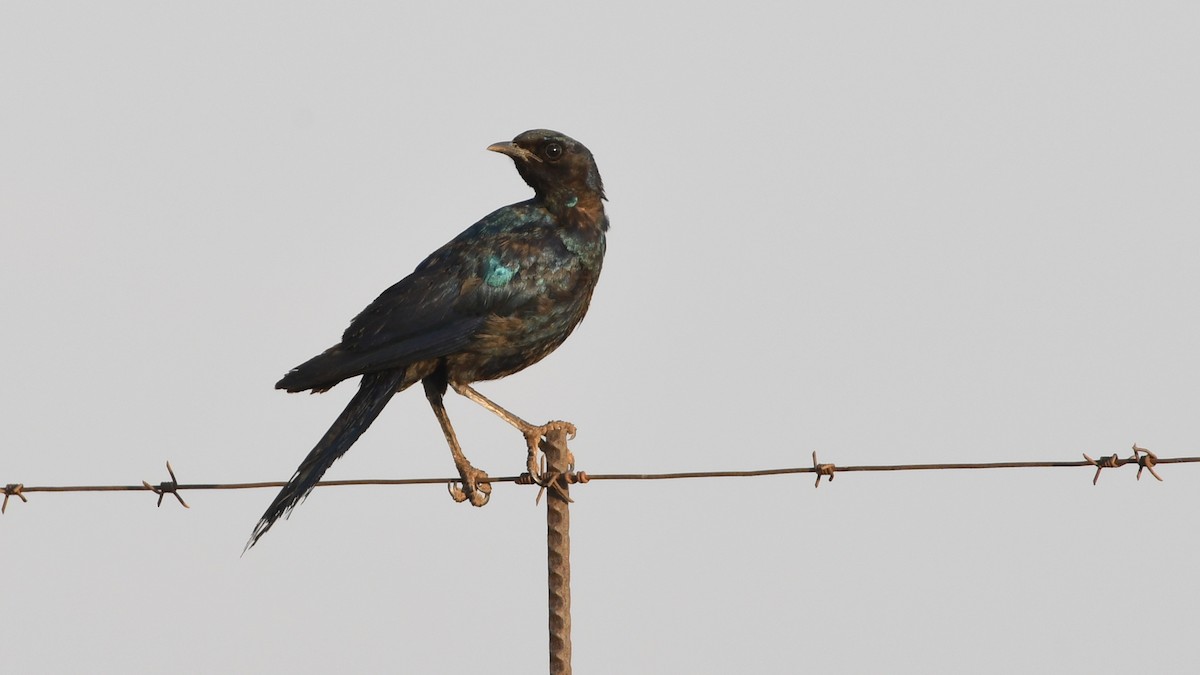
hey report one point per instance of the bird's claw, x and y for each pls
(482, 496)
(478, 496)
(559, 425)
(474, 487)
(533, 438)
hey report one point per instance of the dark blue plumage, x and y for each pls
(494, 300)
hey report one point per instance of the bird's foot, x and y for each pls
(533, 438)
(474, 487)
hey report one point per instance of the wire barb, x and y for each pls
(1147, 460)
(1110, 462)
(822, 470)
(14, 490)
(167, 487)
(556, 480)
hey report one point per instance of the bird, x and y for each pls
(494, 300)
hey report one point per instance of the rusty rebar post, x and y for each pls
(558, 549)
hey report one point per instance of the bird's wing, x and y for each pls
(436, 310)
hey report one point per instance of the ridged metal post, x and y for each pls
(558, 552)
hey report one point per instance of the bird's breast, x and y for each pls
(550, 280)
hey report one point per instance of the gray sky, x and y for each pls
(889, 232)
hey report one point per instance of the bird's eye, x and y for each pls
(552, 151)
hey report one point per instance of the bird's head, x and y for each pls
(557, 167)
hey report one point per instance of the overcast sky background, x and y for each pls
(888, 232)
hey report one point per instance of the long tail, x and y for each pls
(375, 390)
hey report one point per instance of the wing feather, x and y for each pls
(438, 309)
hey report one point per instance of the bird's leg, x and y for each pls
(533, 434)
(474, 482)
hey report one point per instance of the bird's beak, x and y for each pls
(515, 151)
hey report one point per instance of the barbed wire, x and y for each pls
(1143, 458)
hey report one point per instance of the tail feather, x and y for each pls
(375, 390)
